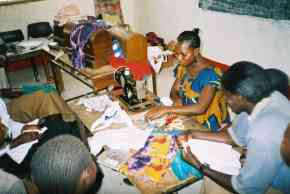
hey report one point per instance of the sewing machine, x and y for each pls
(134, 96)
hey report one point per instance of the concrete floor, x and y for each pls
(113, 181)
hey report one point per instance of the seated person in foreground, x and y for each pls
(195, 91)
(63, 165)
(50, 108)
(263, 116)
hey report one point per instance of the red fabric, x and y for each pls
(219, 65)
(139, 69)
(22, 64)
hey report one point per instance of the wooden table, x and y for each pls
(31, 55)
(101, 80)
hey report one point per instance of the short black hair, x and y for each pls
(190, 36)
(57, 165)
(279, 81)
(248, 80)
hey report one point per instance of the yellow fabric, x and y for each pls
(181, 70)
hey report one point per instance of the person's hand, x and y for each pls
(3, 132)
(30, 128)
(190, 157)
(24, 138)
(177, 102)
(156, 112)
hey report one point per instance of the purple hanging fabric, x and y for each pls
(79, 38)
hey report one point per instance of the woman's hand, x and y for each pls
(177, 102)
(190, 157)
(156, 112)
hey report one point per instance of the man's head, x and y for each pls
(63, 165)
(245, 84)
(189, 41)
(279, 81)
(285, 146)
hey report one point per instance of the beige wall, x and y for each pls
(18, 16)
(226, 37)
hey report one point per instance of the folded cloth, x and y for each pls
(79, 38)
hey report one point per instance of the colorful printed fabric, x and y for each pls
(155, 159)
(79, 38)
(190, 90)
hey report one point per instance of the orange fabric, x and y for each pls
(139, 69)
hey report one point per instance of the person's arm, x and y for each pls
(222, 179)
(174, 92)
(222, 136)
(200, 107)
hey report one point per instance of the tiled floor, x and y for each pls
(113, 181)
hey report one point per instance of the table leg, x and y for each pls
(154, 82)
(44, 61)
(57, 77)
(35, 71)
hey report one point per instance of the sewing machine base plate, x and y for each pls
(136, 107)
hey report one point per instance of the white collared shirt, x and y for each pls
(13, 126)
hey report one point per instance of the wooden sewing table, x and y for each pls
(169, 184)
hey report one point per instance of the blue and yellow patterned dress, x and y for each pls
(190, 90)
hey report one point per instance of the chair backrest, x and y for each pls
(12, 36)
(38, 30)
(225, 67)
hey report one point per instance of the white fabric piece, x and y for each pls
(156, 56)
(113, 114)
(13, 126)
(97, 103)
(122, 139)
(166, 101)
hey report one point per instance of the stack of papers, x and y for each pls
(221, 157)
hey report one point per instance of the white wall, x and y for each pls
(226, 37)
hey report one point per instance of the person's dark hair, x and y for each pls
(279, 81)
(57, 165)
(190, 36)
(248, 80)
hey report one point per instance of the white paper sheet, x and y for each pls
(221, 157)
(18, 153)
